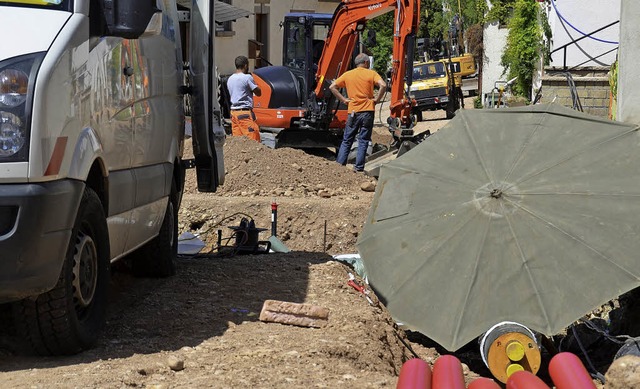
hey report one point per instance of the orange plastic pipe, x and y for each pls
(447, 373)
(414, 374)
(483, 383)
(525, 380)
(568, 372)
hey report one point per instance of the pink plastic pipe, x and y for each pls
(525, 380)
(447, 373)
(568, 372)
(414, 374)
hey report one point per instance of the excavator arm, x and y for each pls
(349, 19)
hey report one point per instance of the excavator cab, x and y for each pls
(304, 36)
(296, 107)
(287, 90)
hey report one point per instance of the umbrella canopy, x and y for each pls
(527, 215)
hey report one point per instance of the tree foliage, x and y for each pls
(524, 45)
(527, 27)
(501, 10)
(435, 19)
(383, 26)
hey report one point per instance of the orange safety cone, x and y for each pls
(483, 383)
(414, 374)
(525, 380)
(447, 373)
(568, 372)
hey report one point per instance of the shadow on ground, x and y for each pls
(205, 297)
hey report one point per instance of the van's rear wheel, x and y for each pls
(69, 318)
(158, 257)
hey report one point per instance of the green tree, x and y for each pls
(434, 24)
(383, 26)
(524, 45)
(501, 10)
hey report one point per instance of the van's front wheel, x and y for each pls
(68, 318)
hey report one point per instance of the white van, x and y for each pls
(91, 141)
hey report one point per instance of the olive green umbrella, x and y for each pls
(529, 215)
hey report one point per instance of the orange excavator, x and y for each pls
(296, 105)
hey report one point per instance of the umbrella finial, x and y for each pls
(496, 193)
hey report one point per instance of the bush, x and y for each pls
(477, 103)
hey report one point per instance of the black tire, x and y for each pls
(157, 258)
(69, 318)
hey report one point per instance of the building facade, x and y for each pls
(259, 36)
(585, 35)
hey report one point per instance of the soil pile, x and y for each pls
(253, 169)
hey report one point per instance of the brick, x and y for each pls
(304, 315)
(600, 94)
(602, 112)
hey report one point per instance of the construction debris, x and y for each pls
(304, 315)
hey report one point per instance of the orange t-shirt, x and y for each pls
(359, 83)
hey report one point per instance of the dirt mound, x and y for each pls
(254, 169)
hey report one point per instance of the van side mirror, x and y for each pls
(126, 18)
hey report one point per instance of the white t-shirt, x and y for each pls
(241, 88)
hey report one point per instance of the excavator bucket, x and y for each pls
(382, 155)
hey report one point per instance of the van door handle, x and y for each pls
(127, 71)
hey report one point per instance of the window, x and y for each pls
(225, 28)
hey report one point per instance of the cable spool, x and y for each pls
(509, 347)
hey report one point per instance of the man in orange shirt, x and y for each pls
(361, 107)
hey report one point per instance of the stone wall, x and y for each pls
(592, 85)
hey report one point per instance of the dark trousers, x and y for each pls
(360, 124)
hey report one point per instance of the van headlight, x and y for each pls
(13, 87)
(12, 134)
(17, 80)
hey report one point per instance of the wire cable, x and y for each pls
(595, 373)
(575, 99)
(380, 108)
(614, 338)
(580, 32)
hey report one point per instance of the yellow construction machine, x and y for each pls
(432, 88)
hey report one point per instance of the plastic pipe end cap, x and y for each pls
(515, 351)
(514, 367)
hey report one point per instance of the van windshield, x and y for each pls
(428, 70)
(62, 5)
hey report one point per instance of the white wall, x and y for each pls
(628, 80)
(228, 48)
(495, 40)
(586, 16)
